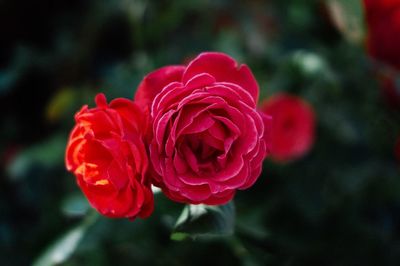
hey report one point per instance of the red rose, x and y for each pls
(293, 126)
(208, 136)
(383, 22)
(106, 153)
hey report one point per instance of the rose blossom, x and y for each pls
(293, 126)
(383, 24)
(107, 154)
(208, 138)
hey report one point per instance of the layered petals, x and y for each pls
(153, 83)
(106, 153)
(208, 138)
(224, 69)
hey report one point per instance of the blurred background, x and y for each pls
(338, 205)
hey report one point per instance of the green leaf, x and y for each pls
(64, 247)
(204, 221)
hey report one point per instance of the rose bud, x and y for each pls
(208, 138)
(293, 126)
(107, 154)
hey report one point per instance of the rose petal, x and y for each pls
(238, 180)
(168, 98)
(256, 166)
(72, 153)
(147, 208)
(180, 164)
(171, 181)
(160, 128)
(210, 140)
(200, 124)
(131, 114)
(190, 158)
(220, 198)
(218, 131)
(192, 180)
(156, 161)
(234, 129)
(196, 194)
(232, 93)
(154, 82)
(233, 167)
(200, 80)
(224, 69)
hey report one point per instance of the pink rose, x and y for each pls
(208, 138)
(293, 129)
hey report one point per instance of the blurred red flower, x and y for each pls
(293, 126)
(383, 24)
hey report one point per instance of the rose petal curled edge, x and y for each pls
(203, 78)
